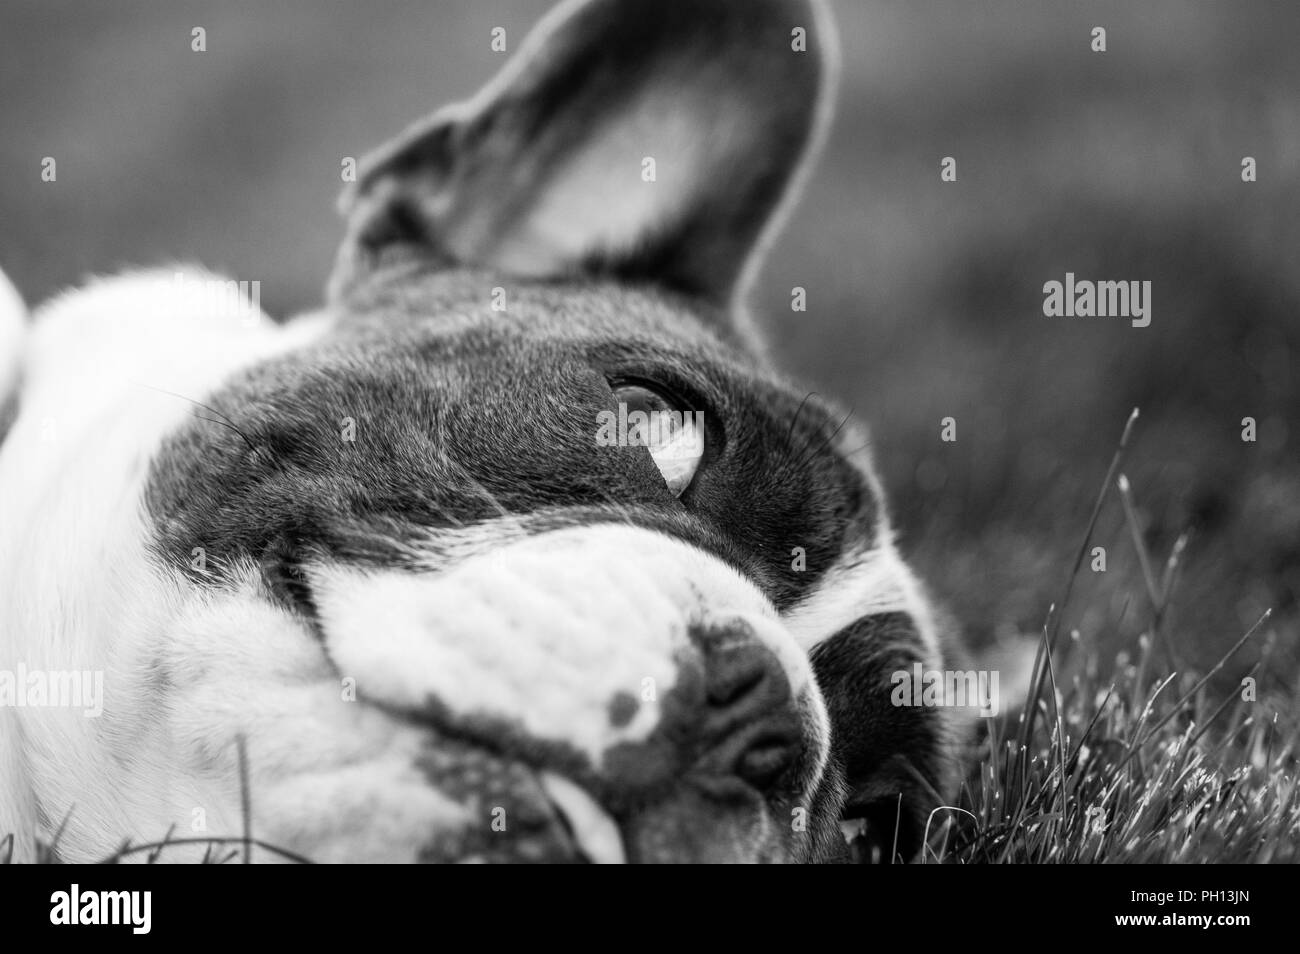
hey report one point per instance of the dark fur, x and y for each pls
(464, 418)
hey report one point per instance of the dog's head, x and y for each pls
(518, 549)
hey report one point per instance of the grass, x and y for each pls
(1134, 768)
(1135, 762)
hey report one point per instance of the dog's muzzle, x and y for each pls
(600, 693)
(730, 751)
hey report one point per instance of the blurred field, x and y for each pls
(924, 297)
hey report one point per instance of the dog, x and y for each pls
(409, 578)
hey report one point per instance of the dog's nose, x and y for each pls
(732, 717)
(733, 742)
(749, 726)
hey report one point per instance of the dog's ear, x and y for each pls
(638, 138)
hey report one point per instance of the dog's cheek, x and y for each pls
(379, 809)
(329, 778)
(897, 761)
(824, 842)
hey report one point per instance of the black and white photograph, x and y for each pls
(650, 431)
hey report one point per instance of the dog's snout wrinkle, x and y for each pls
(744, 678)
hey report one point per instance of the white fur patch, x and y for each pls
(863, 582)
(17, 809)
(13, 320)
(81, 593)
(547, 630)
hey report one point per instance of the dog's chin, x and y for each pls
(520, 813)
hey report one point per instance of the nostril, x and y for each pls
(752, 728)
(767, 759)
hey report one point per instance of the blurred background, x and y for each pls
(924, 297)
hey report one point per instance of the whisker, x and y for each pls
(223, 419)
(826, 443)
(789, 435)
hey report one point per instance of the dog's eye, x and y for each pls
(674, 435)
